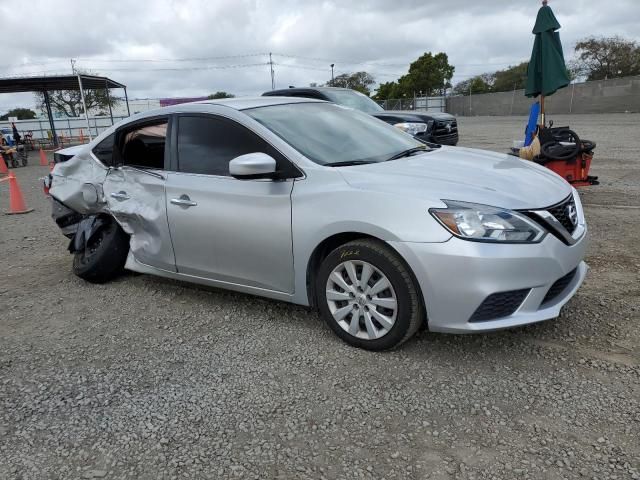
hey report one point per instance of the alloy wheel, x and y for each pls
(361, 299)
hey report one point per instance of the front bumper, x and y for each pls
(65, 218)
(457, 276)
(451, 140)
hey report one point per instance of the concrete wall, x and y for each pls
(618, 95)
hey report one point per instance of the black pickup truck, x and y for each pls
(433, 127)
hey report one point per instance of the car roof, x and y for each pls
(243, 103)
(287, 91)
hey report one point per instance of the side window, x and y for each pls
(144, 146)
(104, 150)
(206, 145)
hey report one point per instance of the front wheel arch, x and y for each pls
(331, 243)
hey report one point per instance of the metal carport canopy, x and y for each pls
(45, 84)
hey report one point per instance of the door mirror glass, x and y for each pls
(253, 165)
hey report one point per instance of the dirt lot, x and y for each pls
(154, 379)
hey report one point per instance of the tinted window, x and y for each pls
(206, 144)
(104, 150)
(144, 146)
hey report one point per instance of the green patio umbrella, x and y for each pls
(547, 71)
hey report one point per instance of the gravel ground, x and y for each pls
(154, 379)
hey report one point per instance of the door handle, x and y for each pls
(120, 196)
(184, 201)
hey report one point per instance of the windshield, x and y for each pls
(353, 99)
(330, 134)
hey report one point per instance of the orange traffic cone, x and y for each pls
(81, 136)
(43, 158)
(3, 166)
(16, 200)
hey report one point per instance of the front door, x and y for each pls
(225, 229)
(135, 192)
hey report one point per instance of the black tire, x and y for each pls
(410, 312)
(105, 255)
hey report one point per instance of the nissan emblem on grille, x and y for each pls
(572, 214)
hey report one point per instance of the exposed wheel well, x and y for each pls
(331, 243)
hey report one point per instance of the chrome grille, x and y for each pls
(441, 129)
(560, 219)
(561, 213)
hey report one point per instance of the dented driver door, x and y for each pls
(136, 198)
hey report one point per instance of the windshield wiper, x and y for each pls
(408, 152)
(348, 163)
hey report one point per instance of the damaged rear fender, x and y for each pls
(77, 183)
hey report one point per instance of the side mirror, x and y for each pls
(253, 165)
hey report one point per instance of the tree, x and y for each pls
(69, 102)
(477, 85)
(217, 95)
(429, 74)
(608, 57)
(360, 81)
(387, 90)
(510, 78)
(20, 113)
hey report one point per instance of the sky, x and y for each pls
(176, 48)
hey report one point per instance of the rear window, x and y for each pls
(353, 99)
(104, 150)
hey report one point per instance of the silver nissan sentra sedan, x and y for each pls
(320, 205)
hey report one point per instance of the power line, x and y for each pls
(375, 63)
(319, 69)
(192, 59)
(182, 69)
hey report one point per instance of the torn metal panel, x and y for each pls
(136, 198)
(77, 183)
(65, 218)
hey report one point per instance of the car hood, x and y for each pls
(463, 174)
(415, 116)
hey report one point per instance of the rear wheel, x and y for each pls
(105, 254)
(367, 295)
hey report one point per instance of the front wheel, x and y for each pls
(367, 295)
(104, 255)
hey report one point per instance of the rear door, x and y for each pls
(225, 229)
(134, 190)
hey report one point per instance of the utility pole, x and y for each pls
(332, 65)
(273, 78)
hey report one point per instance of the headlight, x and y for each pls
(413, 128)
(483, 223)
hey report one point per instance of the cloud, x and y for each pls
(132, 42)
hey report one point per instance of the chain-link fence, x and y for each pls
(423, 104)
(66, 128)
